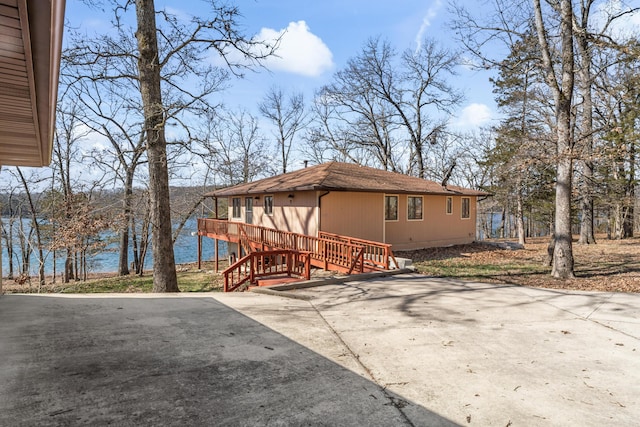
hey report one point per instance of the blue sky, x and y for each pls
(320, 37)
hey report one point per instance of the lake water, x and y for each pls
(185, 250)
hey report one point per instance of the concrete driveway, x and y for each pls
(400, 350)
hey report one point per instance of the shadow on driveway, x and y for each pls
(178, 360)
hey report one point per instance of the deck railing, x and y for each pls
(375, 253)
(263, 264)
(348, 253)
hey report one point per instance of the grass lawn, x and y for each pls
(609, 265)
(189, 280)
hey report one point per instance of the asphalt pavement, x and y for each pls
(397, 350)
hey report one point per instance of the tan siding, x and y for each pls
(361, 215)
(297, 214)
(353, 214)
(436, 229)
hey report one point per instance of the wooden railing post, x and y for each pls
(289, 263)
(386, 258)
(252, 273)
(307, 266)
(325, 255)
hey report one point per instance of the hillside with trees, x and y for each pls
(561, 162)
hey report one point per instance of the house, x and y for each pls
(358, 201)
(30, 52)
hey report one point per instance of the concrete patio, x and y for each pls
(399, 350)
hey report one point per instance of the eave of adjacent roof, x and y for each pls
(30, 52)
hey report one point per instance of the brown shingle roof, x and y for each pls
(336, 176)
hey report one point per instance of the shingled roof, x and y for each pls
(336, 176)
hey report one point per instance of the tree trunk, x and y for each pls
(563, 253)
(34, 226)
(562, 94)
(134, 242)
(75, 266)
(144, 243)
(502, 223)
(631, 191)
(587, 235)
(68, 267)
(25, 250)
(164, 269)
(123, 259)
(520, 214)
(627, 224)
(8, 237)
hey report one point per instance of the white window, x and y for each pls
(449, 207)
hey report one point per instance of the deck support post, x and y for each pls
(199, 252)
(215, 254)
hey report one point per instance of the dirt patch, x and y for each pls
(609, 265)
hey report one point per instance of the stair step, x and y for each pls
(279, 280)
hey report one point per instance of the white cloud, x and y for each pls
(473, 116)
(180, 14)
(299, 52)
(90, 140)
(621, 28)
(426, 22)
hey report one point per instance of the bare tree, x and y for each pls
(288, 116)
(112, 113)
(560, 79)
(385, 99)
(563, 37)
(35, 225)
(239, 148)
(427, 97)
(588, 41)
(360, 132)
(522, 144)
(617, 94)
(66, 161)
(168, 69)
(8, 230)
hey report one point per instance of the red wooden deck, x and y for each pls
(328, 251)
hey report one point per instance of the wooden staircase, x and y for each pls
(256, 266)
(267, 247)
